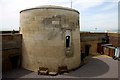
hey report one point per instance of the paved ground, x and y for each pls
(96, 67)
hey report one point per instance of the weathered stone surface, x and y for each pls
(44, 32)
(11, 41)
(114, 39)
(11, 48)
(91, 39)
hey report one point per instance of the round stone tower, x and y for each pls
(50, 38)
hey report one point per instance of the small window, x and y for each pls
(67, 41)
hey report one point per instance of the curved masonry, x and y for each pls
(51, 38)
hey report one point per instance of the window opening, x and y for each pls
(67, 41)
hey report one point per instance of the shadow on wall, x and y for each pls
(16, 73)
(93, 68)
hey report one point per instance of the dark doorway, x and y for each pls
(87, 49)
(67, 41)
(14, 61)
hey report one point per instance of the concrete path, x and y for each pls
(96, 67)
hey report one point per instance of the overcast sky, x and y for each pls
(95, 15)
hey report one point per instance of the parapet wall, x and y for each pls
(11, 45)
(11, 51)
(91, 40)
(114, 39)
